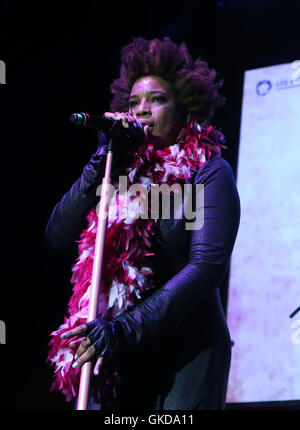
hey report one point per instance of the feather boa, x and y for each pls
(127, 271)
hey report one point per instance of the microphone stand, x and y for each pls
(86, 369)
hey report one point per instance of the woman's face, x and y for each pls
(154, 104)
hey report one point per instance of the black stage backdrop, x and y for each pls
(61, 58)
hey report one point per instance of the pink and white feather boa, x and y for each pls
(127, 259)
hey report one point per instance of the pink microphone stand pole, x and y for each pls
(86, 369)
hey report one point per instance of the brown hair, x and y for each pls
(193, 81)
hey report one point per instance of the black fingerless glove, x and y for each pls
(107, 337)
(130, 329)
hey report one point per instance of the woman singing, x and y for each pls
(160, 341)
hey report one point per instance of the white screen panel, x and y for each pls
(264, 282)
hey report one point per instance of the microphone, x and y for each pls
(110, 127)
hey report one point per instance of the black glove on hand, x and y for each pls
(107, 337)
(129, 329)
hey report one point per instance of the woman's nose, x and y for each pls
(143, 109)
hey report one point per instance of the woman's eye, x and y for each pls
(154, 99)
(159, 99)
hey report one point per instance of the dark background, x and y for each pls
(61, 58)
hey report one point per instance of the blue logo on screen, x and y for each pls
(263, 87)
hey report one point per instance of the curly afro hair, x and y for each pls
(193, 81)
